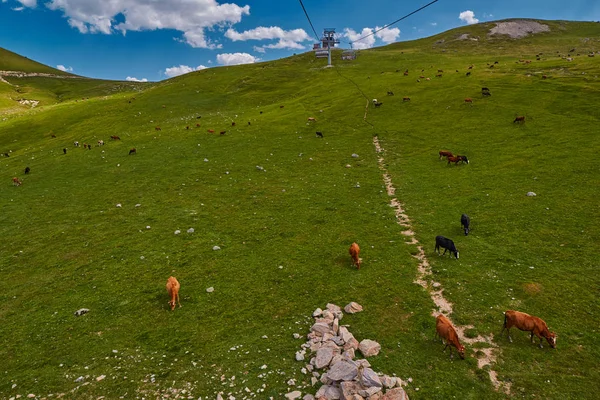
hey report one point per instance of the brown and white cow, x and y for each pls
(519, 119)
(16, 181)
(445, 330)
(354, 251)
(528, 323)
(173, 290)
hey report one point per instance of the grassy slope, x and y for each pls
(67, 246)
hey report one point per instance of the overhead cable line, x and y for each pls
(395, 22)
(310, 22)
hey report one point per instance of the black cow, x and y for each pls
(65, 151)
(320, 134)
(447, 244)
(27, 170)
(378, 104)
(465, 221)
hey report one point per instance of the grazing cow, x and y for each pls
(17, 181)
(319, 134)
(113, 137)
(76, 143)
(100, 142)
(469, 100)
(233, 124)
(438, 75)
(249, 123)
(374, 101)
(528, 323)
(211, 131)
(132, 151)
(27, 170)
(197, 125)
(446, 244)
(421, 77)
(222, 132)
(354, 250)
(440, 70)
(484, 89)
(519, 119)
(445, 153)
(173, 290)
(468, 73)
(378, 104)
(470, 66)
(157, 128)
(544, 77)
(405, 73)
(390, 93)
(445, 330)
(65, 150)
(280, 106)
(89, 148)
(6, 155)
(53, 135)
(406, 99)
(311, 119)
(465, 221)
(495, 62)
(187, 127)
(458, 159)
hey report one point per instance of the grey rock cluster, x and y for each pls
(334, 366)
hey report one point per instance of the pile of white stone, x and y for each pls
(333, 361)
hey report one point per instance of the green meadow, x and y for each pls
(95, 228)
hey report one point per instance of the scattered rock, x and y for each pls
(352, 308)
(531, 194)
(354, 155)
(369, 348)
(101, 377)
(215, 248)
(191, 230)
(80, 379)
(293, 395)
(210, 290)
(177, 232)
(119, 205)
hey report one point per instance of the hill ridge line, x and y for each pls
(443, 306)
(21, 74)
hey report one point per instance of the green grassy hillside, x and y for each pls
(95, 228)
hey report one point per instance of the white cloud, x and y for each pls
(63, 68)
(133, 79)
(468, 17)
(388, 35)
(18, 8)
(366, 43)
(191, 17)
(182, 69)
(27, 3)
(236, 58)
(287, 39)
(434, 24)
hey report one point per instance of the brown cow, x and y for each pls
(528, 323)
(519, 119)
(113, 137)
(406, 99)
(173, 290)
(132, 151)
(211, 131)
(157, 128)
(233, 124)
(311, 119)
(354, 250)
(445, 153)
(469, 100)
(445, 330)
(17, 181)
(197, 125)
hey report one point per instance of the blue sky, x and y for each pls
(157, 39)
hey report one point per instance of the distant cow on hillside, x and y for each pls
(173, 290)
(446, 244)
(519, 119)
(132, 151)
(16, 181)
(354, 251)
(465, 222)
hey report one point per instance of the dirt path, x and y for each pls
(488, 353)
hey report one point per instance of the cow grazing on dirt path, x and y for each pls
(354, 251)
(16, 181)
(445, 330)
(132, 151)
(173, 290)
(528, 323)
(319, 134)
(465, 221)
(445, 153)
(27, 170)
(446, 244)
(519, 119)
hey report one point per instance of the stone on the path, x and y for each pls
(369, 348)
(353, 307)
(344, 370)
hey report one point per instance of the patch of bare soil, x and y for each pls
(486, 355)
(518, 29)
